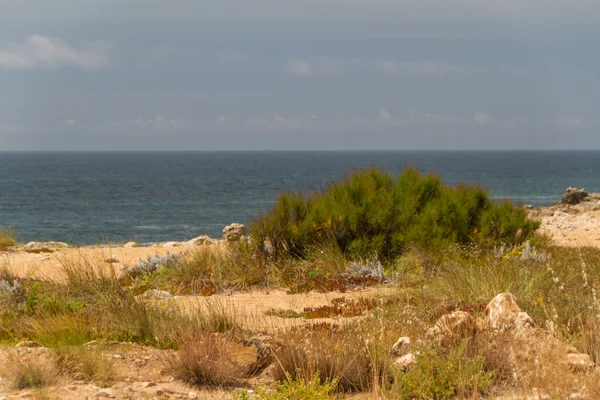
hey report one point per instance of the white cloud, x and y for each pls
(70, 122)
(569, 122)
(299, 68)
(422, 67)
(278, 123)
(43, 52)
(158, 123)
(482, 118)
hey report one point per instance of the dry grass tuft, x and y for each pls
(209, 360)
(87, 364)
(8, 237)
(25, 372)
(344, 355)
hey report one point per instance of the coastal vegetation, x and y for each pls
(432, 250)
(371, 212)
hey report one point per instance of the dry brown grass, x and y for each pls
(26, 372)
(209, 359)
(8, 237)
(88, 364)
(346, 355)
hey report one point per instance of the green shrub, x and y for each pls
(370, 212)
(439, 374)
(293, 390)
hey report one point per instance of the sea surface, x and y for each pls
(88, 198)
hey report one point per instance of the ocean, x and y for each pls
(88, 198)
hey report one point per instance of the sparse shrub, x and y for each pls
(442, 374)
(370, 212)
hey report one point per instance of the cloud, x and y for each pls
(569, 122)
(299, 68)
(482, 118)
(158, 123)
(39, 51)
(422, 67)
(70, 122)
(278, 123)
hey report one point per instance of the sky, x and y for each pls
(299, 74)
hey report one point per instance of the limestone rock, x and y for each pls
(451, 328)
(504, 314)
(574, 196)
(44, 247)
(157, 294)
(234, 232)
(201, 241)
(106, 393)
(579, 362)
(404, 362)
(171, 244)
(402, 346)
(129, 245)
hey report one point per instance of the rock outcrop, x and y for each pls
(507, 332)
(574, 195)
(234, 232)
(504, 314)
(44, 247)
(452, 328)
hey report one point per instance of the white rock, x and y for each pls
(404, 362)
(504, 314)
(402, 346)
(129, 245)
(234, 232)
(157, 294)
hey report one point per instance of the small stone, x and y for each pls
(192, 395)
(117, 356)
(107, 393)
(129, 245)
(159, 392)
(148, 384)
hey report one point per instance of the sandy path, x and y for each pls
(48, 265)
(248, 308)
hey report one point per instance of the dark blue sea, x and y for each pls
(86, 198)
